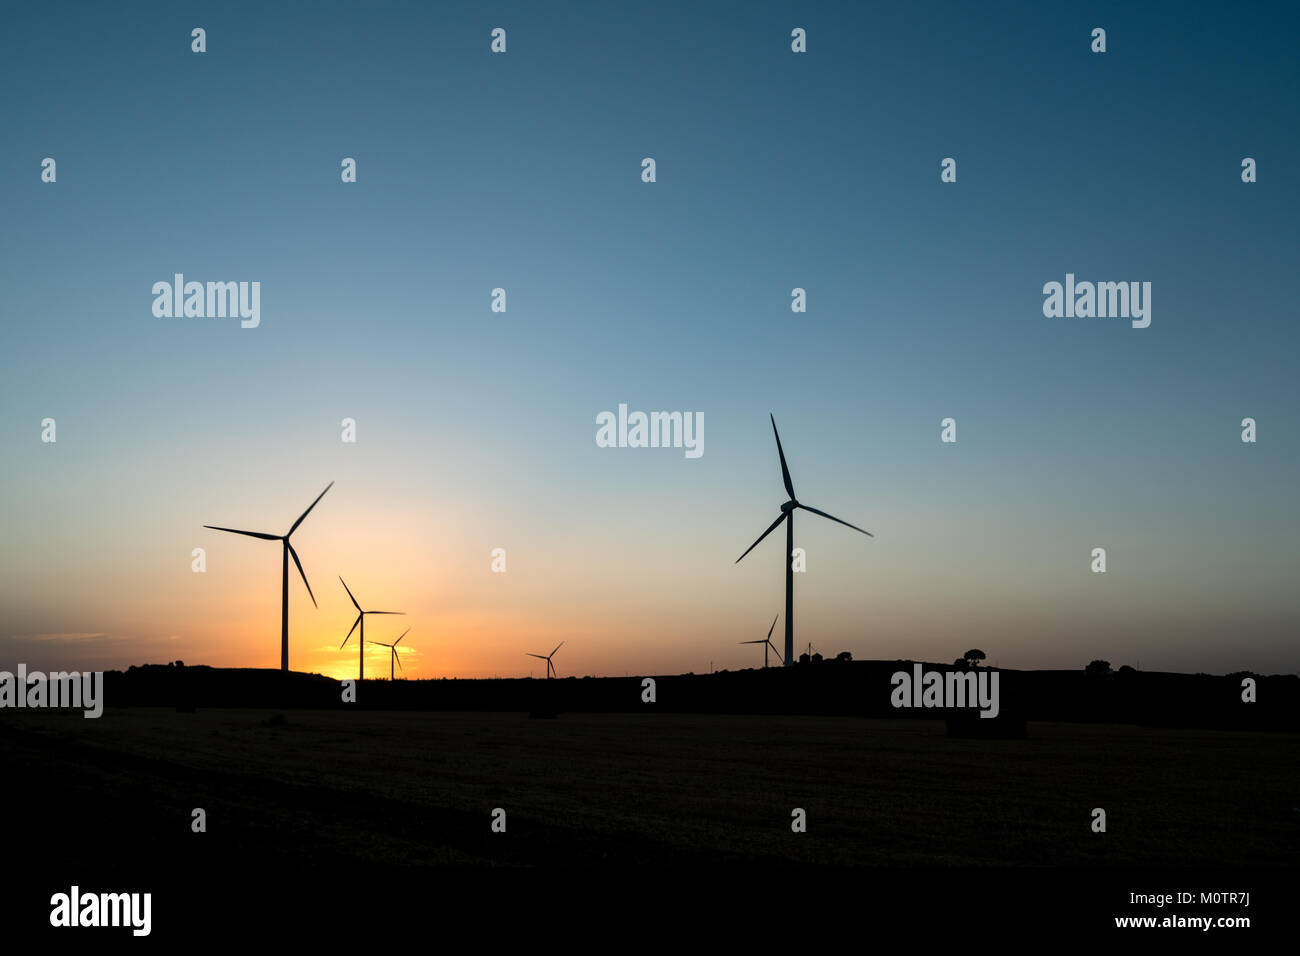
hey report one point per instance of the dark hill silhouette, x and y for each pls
(847, 688)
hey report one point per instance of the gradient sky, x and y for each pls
(477, 430)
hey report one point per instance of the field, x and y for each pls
(307, 787)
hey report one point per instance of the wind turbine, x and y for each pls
(767, 642)
(787, 515)
(361, 638)
(547, 657)
(284, 587)
(392, 647)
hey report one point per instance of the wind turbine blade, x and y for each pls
(300, 570)
(349, 590)
(772, 628)
(833, 518)
(399, 640)
(557, 647)
(251, 534)
(785, 472)
(776, 652)
(540, 657)
(770, 529)
(398, 659)
(309, 507)
(349, 637)
(760, 641)
(385, 612)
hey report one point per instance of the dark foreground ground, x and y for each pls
(324, 824)
(307, 787)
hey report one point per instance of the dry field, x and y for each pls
(304, 787)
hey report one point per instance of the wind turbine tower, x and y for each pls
(787, 515)
(361, 638)
(288, 552)
(550, 667)
(767, 643)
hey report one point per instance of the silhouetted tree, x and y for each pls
(974, 656)
(1127, 670)
(844, 656)
(1097, 667)
(960, 663)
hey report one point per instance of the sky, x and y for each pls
(476, 429)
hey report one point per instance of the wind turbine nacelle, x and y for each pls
(789, 506)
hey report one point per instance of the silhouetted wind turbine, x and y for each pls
(361, 638)
(787, 515)
(767, 641)
(284, 588)
(392, 647)
(547, 657)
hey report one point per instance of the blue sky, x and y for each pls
(775, 170)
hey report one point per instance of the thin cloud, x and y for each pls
(65, 636)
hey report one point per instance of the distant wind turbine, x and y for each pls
(361, 638)
(284, 588)
(392, 647)
(767, 642)
(547, 657)
(787, 515)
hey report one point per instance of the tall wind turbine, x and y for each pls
(392, 647)
(361, 638)
(284, 587)
(787, 515)
(767, 642)
(547, 657)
